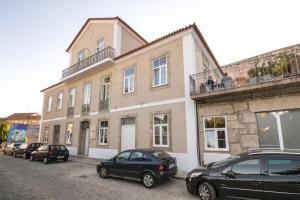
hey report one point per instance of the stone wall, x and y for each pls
(241, 119)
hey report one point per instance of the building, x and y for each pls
(121, 92)
(24, 118)
(256, 106)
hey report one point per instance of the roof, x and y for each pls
(21, 116)
(191, 26)
(273, 151)
(101, 19)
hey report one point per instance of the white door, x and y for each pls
(128, 137)
(87, 139)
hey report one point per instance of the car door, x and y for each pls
(243, 179)
(119, 164)
(135, 166)
(282, 178)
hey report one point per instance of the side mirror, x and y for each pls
(230, 174)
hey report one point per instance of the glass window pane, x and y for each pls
(131, 84)
(156, 76)
(163, 75)
(104, 124)
(209, 122)
(128, 121)
(157, 135)
(290, 129)
(248, 167)
(210, 139)
(279, 167)
(221, 139)
(161, 119)
(156, 63)
(126, 85)
(220, 122)
(129, 72)
(163, 60)
(267, 130)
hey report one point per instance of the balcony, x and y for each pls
(250, 78)
(70, 111)
(102, 57)
(104, 105)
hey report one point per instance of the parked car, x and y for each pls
(259, 174)
(10, 148)
(3, 146)
(48, 153)
(26, 149)
(146, 165)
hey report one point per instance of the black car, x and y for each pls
(10, 148)
(48, 153)
(257, 174)
(146, 165)
(26, 149)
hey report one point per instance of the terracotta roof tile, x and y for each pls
(20, 116)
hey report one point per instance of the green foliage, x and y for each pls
(4, 129)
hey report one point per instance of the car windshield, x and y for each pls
(42, 147)
(161, 155)
(222, 162)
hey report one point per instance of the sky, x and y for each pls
(34, 34)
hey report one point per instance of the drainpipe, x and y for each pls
(197, 130)
(296, 58)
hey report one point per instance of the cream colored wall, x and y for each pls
(128, 41)
(87, 40)
(144, 93)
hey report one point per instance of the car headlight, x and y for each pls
(98, 163)
(195, 174)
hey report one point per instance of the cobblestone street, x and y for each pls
(21, 180)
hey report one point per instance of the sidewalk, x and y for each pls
(93, 161)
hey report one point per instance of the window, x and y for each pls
(105, 88)
(100, 44)
(247, 167)
(215, 133)
(128, 86)
(59, 100)
(124, 155)
(49, 104)
(161, 130)
(139, 156)
(283, 167)
(80, 55)
(279, 129)
(69, 133)
(46, 134)
(72, 97)
(103, 132)
(160, 70)
(86, 97)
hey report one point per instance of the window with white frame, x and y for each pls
(215, 133)
(160, 71)
(128, 81)
(46, 134)
(160, 130)
(72, 97)
(105, 88)
(69, 133)
(100, 44)
(87, 93)
(49, 107)
(59, 100)
(80, 55)
(103, 132)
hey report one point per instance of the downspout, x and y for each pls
(197, 130)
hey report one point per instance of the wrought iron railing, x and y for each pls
(85, 108)
(250, 72)
(104, 104)
(70, 111)
(108, 52)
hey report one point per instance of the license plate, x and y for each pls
(171, 166)
(60, 157)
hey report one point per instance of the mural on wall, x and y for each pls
(17, 133)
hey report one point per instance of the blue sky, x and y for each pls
(34, 34)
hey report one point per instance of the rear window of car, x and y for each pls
(62, 148)
(282, 167)
(161, 155)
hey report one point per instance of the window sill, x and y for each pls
(158, 87)
(217, 150)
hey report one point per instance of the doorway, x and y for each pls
(56, 131)
(127, 133)
(84, 138)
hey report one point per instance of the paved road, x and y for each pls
(23, 180)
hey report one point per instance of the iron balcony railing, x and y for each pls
(104, 104)
(255, 71)
(108, 52)
(70, 111)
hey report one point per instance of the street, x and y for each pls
(22, 179)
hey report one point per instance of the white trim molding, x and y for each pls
(117, 38)
(54, 119)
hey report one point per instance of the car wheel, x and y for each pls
(45, 160)
(103, 172)
(148, 180)
(206, 191)
(31, 158)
